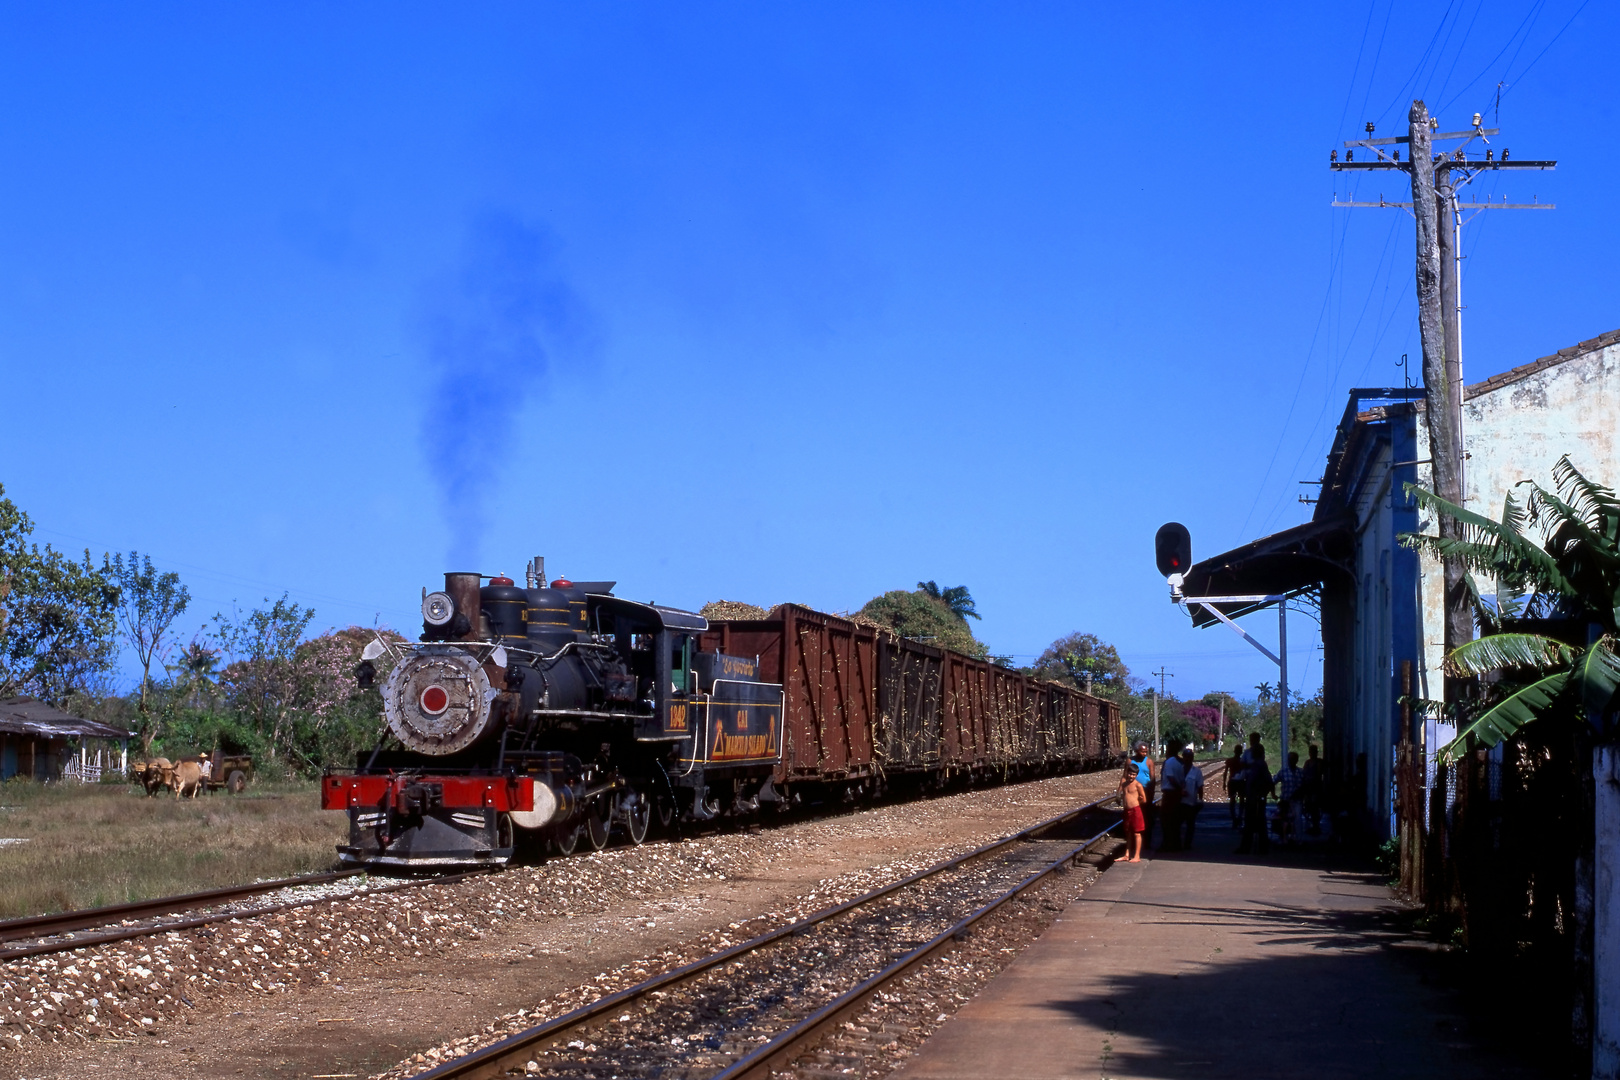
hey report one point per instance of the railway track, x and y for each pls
(752, 1008)
(38, 935)
(41, 934)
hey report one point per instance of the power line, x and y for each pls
(1549, 44)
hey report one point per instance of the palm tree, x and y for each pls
(957, 598)
(196, 671)
(1573, 575)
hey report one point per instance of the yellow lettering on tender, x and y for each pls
(743, 747)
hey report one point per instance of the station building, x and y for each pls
(1381, 602)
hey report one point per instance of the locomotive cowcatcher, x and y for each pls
(556, 710)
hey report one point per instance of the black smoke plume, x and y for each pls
(494, 333)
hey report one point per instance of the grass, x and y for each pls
(95, 844)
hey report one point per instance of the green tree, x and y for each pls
(956, 598)
(1573, 574)
(922, 617)
(195, 673)
(58, 633)
(148, 604)
(262, 682)
(1079, 658)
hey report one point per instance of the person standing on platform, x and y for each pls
(1290, 781)
(1312, 791)
(1134, 796)
(1192, 797)
(1257, 785)
(1172, 789)
(1144, 776)
(1234, 783)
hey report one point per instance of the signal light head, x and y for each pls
(1172, 549)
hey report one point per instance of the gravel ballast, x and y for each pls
(349, 985)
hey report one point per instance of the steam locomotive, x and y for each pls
(558, 709)
(561, 714)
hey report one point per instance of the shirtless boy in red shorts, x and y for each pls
(1135, 795)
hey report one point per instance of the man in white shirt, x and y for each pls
(1192, 797)
(1172, 790)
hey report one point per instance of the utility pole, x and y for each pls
(1220, 725)
(1158, 747)
(1436, 179)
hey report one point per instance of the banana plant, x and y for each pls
(1554, 555)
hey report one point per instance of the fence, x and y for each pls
(88, 767)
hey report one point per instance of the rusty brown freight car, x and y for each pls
(866, 708)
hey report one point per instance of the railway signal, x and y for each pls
(1172, 550)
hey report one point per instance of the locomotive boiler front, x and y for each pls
(439, 700)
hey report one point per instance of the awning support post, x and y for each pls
(1281, 600)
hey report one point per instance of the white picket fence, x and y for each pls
(87, 767)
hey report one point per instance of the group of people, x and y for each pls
(1249, 785)
(1180, 786)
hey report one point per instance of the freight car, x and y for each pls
(563, 713)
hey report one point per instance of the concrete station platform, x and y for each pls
(1209, 964)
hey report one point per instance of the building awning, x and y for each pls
(30, 716)
(1290, 562)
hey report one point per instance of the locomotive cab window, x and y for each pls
(680, 664)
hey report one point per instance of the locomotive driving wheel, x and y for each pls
(567, 838)
(637, 814)
(599, 822)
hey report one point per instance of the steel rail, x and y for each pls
(803, 1036)
(31, 926)
(496, 1058)
(150, 930)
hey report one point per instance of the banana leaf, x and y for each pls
(1510, 714)
(1596, 675)
(1507, 651)
(1513, 551)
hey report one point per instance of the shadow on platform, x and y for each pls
(1207, 964)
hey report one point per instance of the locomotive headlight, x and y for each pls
(438, 608)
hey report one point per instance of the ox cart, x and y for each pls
(232, 772)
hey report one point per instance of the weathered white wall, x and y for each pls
(1516, 428)
(1519, 430)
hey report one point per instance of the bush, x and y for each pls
(922, 617)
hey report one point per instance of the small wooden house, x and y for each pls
(35, 737)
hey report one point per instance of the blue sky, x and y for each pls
(746, 301)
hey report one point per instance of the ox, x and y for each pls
(187, 779)
(156, 774)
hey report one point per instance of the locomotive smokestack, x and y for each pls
(463, 589)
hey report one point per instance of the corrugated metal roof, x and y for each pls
(30, 716)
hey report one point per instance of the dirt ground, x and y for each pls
(507, 943)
